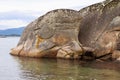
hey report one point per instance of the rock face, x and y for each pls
(91, 33)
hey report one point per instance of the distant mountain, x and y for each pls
(12, 32)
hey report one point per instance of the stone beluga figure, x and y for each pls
(91, 33)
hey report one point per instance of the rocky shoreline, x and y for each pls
(89, 34)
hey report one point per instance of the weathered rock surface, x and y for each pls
(91, 33)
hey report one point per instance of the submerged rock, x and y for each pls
(91, 33)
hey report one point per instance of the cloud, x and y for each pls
(19, 15)
(42, 5)
(12, 23)
(2, 27)
(14, 19)
(16, 13)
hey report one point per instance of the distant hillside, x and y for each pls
(12, 32)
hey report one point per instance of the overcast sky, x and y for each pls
(18, 13)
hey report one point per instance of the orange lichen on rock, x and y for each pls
(39, 39)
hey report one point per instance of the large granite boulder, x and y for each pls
(54, 34)
(91, 33)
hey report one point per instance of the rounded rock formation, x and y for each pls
(55, 30)
(91, 33)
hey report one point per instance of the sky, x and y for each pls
(19, 13)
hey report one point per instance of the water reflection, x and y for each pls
(57, 69)
(21, 68)
(110, 65)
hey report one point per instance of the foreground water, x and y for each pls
(18, 68)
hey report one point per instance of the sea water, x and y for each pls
(22, 68)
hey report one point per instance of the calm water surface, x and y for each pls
(18, 68)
